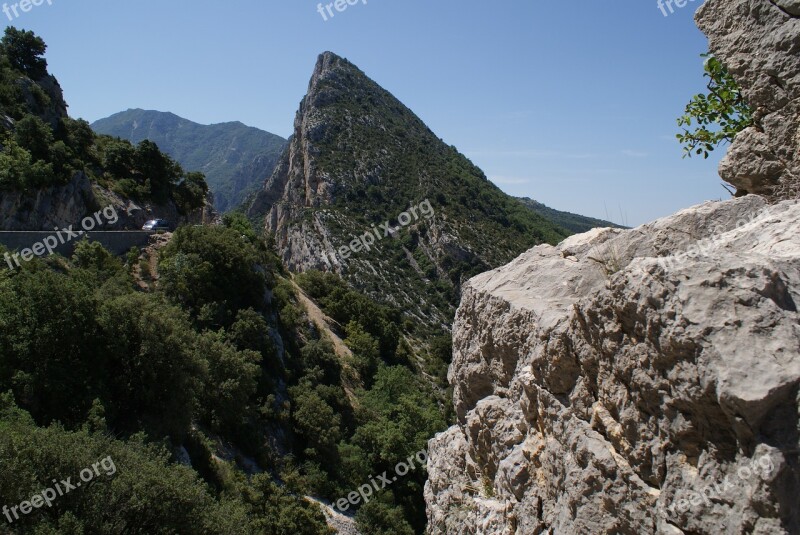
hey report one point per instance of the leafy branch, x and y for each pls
(717, 116)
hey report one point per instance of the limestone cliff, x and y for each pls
(599, 383)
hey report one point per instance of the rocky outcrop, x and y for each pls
(630, 381)
(759, 42)
(55, 206)
(45, 98)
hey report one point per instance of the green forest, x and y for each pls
(92, 366)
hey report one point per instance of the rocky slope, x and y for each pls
(72, 179)
(235, 158)
(758, 40)
(600, 383)
(358, 159)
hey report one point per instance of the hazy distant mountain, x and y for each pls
(572, 222)
(235, 158)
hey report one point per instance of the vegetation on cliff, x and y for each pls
(41, 146)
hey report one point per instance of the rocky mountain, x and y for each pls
(235, 158)
(366, 190)
(645, 381)
(572, 222)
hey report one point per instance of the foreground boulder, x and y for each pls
(631, 381)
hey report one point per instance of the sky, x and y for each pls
(570, 102)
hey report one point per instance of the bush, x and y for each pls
(210, 271)
(719, 115)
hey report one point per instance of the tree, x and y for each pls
(210, 272)
(35, 136)
(366, 352)
(136, 489)
(719, 115)
(18, 171)
(238, 221)
(277, 512)
(191, 193)
(151, 371)
(24, 51)
(231, 381)
(48, 341)
(156, 169)
(377, 518)
(315, 421)
(118, 157)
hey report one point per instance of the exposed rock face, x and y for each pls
(46, 208)
(62, 206)
(613, 384)
(759, 42)
(52, 109)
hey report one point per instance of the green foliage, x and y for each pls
(572, 222)
(91, 255)
(18, 170)
(238, 221)
(24, 51)
(378, 518)
(231, 383)
(715, 117)
(32, 134)
(49, 341)
(210, 272)
(251, 331)
(316, 422)
(81, 346)
(397, 418)
(154, 373)
(191, 192)
(138, 490)
(278, 512)
(346, 305)
(365, 350)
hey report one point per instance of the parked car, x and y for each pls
(157, 225)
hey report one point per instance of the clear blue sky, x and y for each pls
(571, 102)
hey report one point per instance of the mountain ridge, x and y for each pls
(573, 222)
(234, 157)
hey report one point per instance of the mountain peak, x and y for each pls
(359, 158)
(334, 70)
